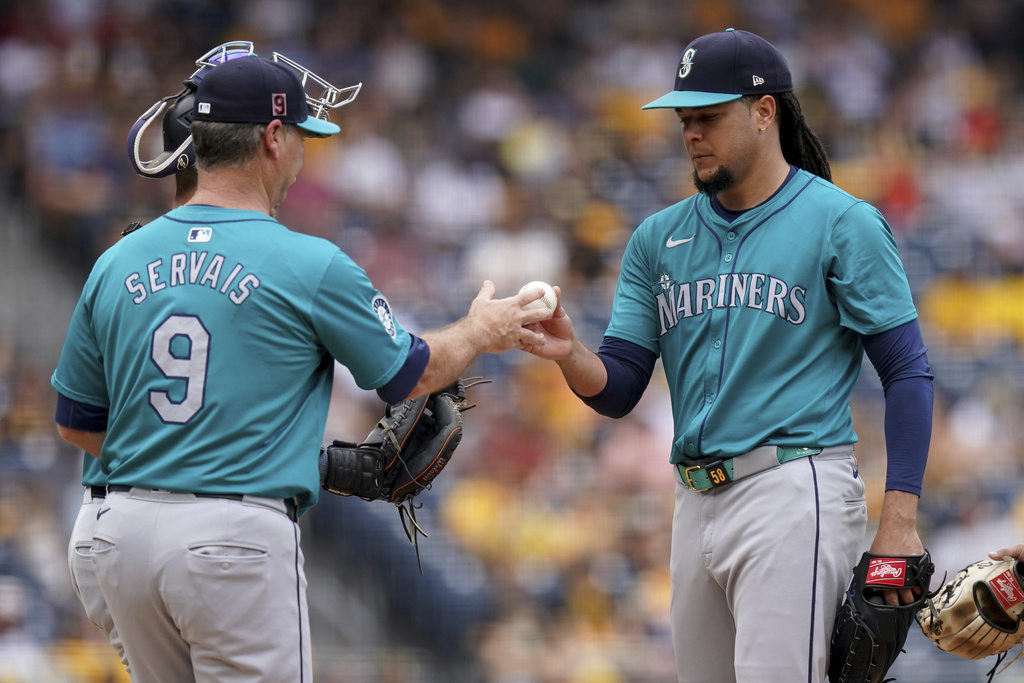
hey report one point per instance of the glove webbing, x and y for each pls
(407, 515)
(407, 508)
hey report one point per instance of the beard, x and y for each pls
(722, 179)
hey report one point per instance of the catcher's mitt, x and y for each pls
(402, 454)
(979, 612)
(868, 634)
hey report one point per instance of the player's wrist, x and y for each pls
(583, 370)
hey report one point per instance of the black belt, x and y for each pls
(289, 503)
(98, 492)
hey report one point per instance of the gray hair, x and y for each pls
(225, 144)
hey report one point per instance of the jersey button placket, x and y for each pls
(714, 355)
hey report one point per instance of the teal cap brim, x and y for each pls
(318, 127)
(678, 99)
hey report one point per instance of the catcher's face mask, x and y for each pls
(176, 114)
(321, 96)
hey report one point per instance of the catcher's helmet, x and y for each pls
(178, 153)
(321, 96)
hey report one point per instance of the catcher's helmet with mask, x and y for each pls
(178, 154)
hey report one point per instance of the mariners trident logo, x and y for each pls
(687, 63)
(381, 307)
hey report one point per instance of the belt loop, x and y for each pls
(785, 454)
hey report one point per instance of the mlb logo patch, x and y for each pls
(885, 571)
(200, 234)
(203, 107)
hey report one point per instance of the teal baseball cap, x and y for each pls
(256, 90)
(725, 66)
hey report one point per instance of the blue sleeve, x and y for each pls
(629, 368)
(409, 374)
(81, 416)
(900, 358)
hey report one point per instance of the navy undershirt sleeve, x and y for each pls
(900, 358)
(80, 416)
(898, 355)
(408, 375)
(629, 368)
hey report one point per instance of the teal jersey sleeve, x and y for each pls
(341, 316)
(635, 314)
(761, 317)
(210, 334)
(864, 271)
(80, 352)
(86, 383)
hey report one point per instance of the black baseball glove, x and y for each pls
(403, 454)
(868, 634)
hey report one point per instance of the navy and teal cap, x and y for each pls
(256, 90)
(725, 66)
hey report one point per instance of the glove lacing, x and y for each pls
(407, 508)
(999, 660)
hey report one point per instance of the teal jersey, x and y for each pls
(92, 472)
(210, 335)
(758, 321)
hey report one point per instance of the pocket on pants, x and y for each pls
(227, 551)
(231, 583)
(101, 547)
(842, 465)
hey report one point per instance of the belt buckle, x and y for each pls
(689, 481)
(716, 473)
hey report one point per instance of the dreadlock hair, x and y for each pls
(800, 146)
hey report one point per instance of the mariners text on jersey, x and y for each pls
(192, 268)
(730, 290)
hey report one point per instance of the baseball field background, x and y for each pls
(504, 140)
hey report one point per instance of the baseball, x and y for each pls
(549, 300)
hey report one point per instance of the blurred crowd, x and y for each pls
(504, 140)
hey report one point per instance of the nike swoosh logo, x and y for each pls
(675, 243)
(102, 512)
